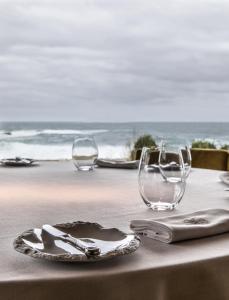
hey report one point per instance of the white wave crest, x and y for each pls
(73, 131)
(19, 133)
(31, 133)
(56, 152)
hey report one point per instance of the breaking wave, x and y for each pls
(31, 133)
(56, 152)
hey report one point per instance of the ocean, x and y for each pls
(49, 140)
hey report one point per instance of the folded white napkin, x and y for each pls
(121, 164)
(184, 227)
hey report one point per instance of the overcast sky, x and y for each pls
(114, 60)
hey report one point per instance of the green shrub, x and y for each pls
(145, 140)
(225, 147)
(203, 145)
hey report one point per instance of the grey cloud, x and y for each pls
(98, 60)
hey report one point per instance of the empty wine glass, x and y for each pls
(159, 190)
(84, 153)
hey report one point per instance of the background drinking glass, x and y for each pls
(184, 149)
(171, 162)
(160, 192)
(84, 153)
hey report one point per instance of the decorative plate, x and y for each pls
(17, 162)
(111, 242)
(224, 177)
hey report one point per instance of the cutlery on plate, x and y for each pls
(24, 160)
(79, 244)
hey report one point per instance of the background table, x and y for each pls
(55, 193)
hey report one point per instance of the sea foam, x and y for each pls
(56, 152)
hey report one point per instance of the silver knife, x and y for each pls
(88, 250)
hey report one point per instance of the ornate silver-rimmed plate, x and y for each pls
(111, 242)
(224, 177)
(18, 162)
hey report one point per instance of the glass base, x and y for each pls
(85, 168)
(160, 206)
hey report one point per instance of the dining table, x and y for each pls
(55, 192)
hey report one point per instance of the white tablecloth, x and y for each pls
(55, 193)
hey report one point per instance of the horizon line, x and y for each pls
(108, 122)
